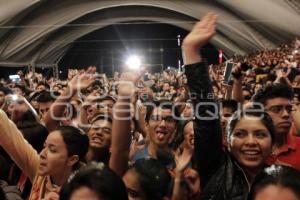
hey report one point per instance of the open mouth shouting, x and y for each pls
(96, 140)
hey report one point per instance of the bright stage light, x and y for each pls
(133, 62)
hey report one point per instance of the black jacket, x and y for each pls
(220, 176)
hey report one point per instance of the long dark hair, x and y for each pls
(153, 177)
(100, 179)
(77, 142)
(283, 176)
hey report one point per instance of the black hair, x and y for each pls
(6, 90)
(230, 103)
(180, 135)
(252, 112)
(98, 178)
(97, 83)
(101, 116)
(153, 177)
(34, 132)
(33, 96)
(276, 90)
(44, 84)
(44, 97)
(163, 105)
(77, 142)
(283, 176)
(21, 87)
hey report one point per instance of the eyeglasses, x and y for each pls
(159, 118)
(278, 109)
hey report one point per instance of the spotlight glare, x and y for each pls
(133, 62)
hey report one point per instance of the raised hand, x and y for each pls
(201, 33)
(193, 180)
(280, 73)
(51, 196)
(237, 73)
(83, 80)
(182, 158)
(127, 81)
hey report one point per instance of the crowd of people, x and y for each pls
(179, 134)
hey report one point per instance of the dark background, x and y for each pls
(108, 48)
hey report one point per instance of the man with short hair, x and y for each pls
(276, 100)
(94, 105)
(105, 104)
(100, 138)
(42, 86)
(20, 90)
(45, 100)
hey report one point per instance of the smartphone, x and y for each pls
(227, 73)
(15, 78)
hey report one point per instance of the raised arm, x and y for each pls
(20, 151)
(208, 139)
(282, 78)
(237, 89)
(121, 136)
(57, 109)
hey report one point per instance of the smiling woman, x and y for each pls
(250, 138)
(223, 174)
(61, 155)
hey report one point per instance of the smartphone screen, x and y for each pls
(15, 78)
(227, 73)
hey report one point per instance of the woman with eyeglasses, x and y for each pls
(223, 174)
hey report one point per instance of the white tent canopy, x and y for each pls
(41, 32)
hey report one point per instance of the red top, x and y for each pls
(288, 154)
